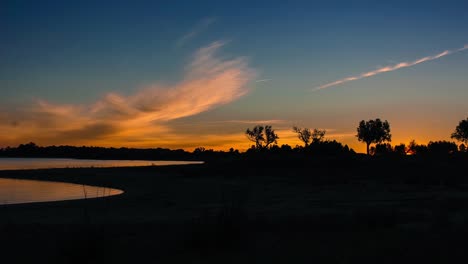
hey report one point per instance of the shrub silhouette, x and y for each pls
(442, 147)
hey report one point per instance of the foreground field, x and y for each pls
(249, 211)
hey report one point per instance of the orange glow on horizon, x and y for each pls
(220, 142)
(358, 147)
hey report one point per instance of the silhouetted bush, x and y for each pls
(381, 149)
(442, 147)
(328, 148)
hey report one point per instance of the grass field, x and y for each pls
(249, 211)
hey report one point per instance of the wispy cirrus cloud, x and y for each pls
(389, 68)
(201, 26)
(141, 117)
(258, 122)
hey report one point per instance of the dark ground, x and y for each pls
(249, 211)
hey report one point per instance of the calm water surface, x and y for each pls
(13, 191)
(37, 163)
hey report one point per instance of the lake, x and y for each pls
(46, 163)
(14, 191)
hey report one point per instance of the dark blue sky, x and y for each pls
(77, 52)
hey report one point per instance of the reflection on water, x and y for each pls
(13, 191)
(37, 163)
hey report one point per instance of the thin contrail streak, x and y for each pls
(263, 80)
(390, 68)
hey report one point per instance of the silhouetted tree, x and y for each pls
(233, 151)
(400, 149)
(271, 136)
(411, 149)
(263, 136)
(199, 150)
(29, 150)
(318, 135)
(461, 132)
(304, 134)
(462, 148)
(286, 148)
(256, 135)
(373, 131)
(415, 148)
(307, 136)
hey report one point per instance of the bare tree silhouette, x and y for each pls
(304, 134)
(318, 135)
(307, 136)
(263, 136)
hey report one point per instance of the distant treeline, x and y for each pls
(32, 150)
(88, 152)
(317, 149)
(375, 133)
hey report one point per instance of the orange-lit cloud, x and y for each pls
(136, 119)
(390, 68)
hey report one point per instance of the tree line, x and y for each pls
(375, 133)
(31, 150)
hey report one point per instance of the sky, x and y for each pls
(187, 74)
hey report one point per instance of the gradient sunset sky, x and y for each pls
(185, 74)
